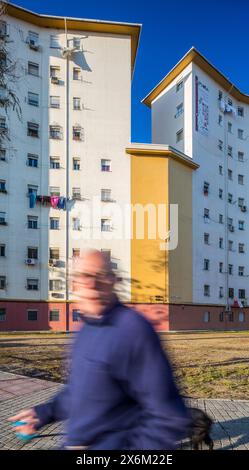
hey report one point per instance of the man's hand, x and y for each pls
(29, 417)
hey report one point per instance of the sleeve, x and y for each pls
(57, 409)
(148, 379)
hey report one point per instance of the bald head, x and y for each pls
(93, 281)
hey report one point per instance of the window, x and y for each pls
(220, 94)
(230, 316)
(105, 165)
(240, 111)
(33, 99)
(32, 315)
(76, 42)
(206, 214)
(76, 73)
(76, 252)
(2, 314)
(55, 73)
(54, 223)
(230, 269)
(54, 253)
(3, 283)
(55, 132)
(33, 69)
(240, 134)
(220, 120)
(241, 248)
(206, 290)
(220, 144)
(206, 238)
(107, 254)
(54, 191)
(76, 103)
(54, 101)
(241, 317)
(230, 198)
(4, 30)
(33, 38)
(230, 245)
(220, 170)
(2, 250)
(220, 219)
(76, 164)
(55, 284)
(54, 41)
(105, 225)
(32, 160)
(221, 292)
(32, 129)
(242, 294)
(32, 222)
(3, 218)
(229, 127)
(230, 151)
(221, 242)
(54, 315)
(241, 202)
(32, 189)
(206, 317)
(241, 156)
(32, 284)
(55, 163)
(179, 135)
(2, 154)
(76, 223)
(240, 179)
(206, 265)
(32, 252)
(231, 292)
(3, 186)
(230, 174)
(221, 316)
(221, 193)
(220, 267)
(241, 225)
(76, 194)
(106, 195)
(76, 315)
(179, 110)
(241, 270)
(3, 125)
(229, 102)
(179, 86)
(206, 188)
(78, 133)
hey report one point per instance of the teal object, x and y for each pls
(24, 437)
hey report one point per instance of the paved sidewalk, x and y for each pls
(230, 430)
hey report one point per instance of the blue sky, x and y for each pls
(217, 28)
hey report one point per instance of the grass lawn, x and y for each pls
(211, 365)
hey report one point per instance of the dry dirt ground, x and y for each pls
(206, 364)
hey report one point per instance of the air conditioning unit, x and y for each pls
(33, 44)
(30, 261)
(68, 51)
(243, 208)
(53, 262)
(55, 80)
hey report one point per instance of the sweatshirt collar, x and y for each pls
(103, 318)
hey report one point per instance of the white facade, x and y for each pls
(203, 146)
(103, 86)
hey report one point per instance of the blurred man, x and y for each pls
(121, 393)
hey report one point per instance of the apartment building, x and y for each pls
(199, 112)
(66, 151)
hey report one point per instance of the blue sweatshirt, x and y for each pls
(121, 393)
